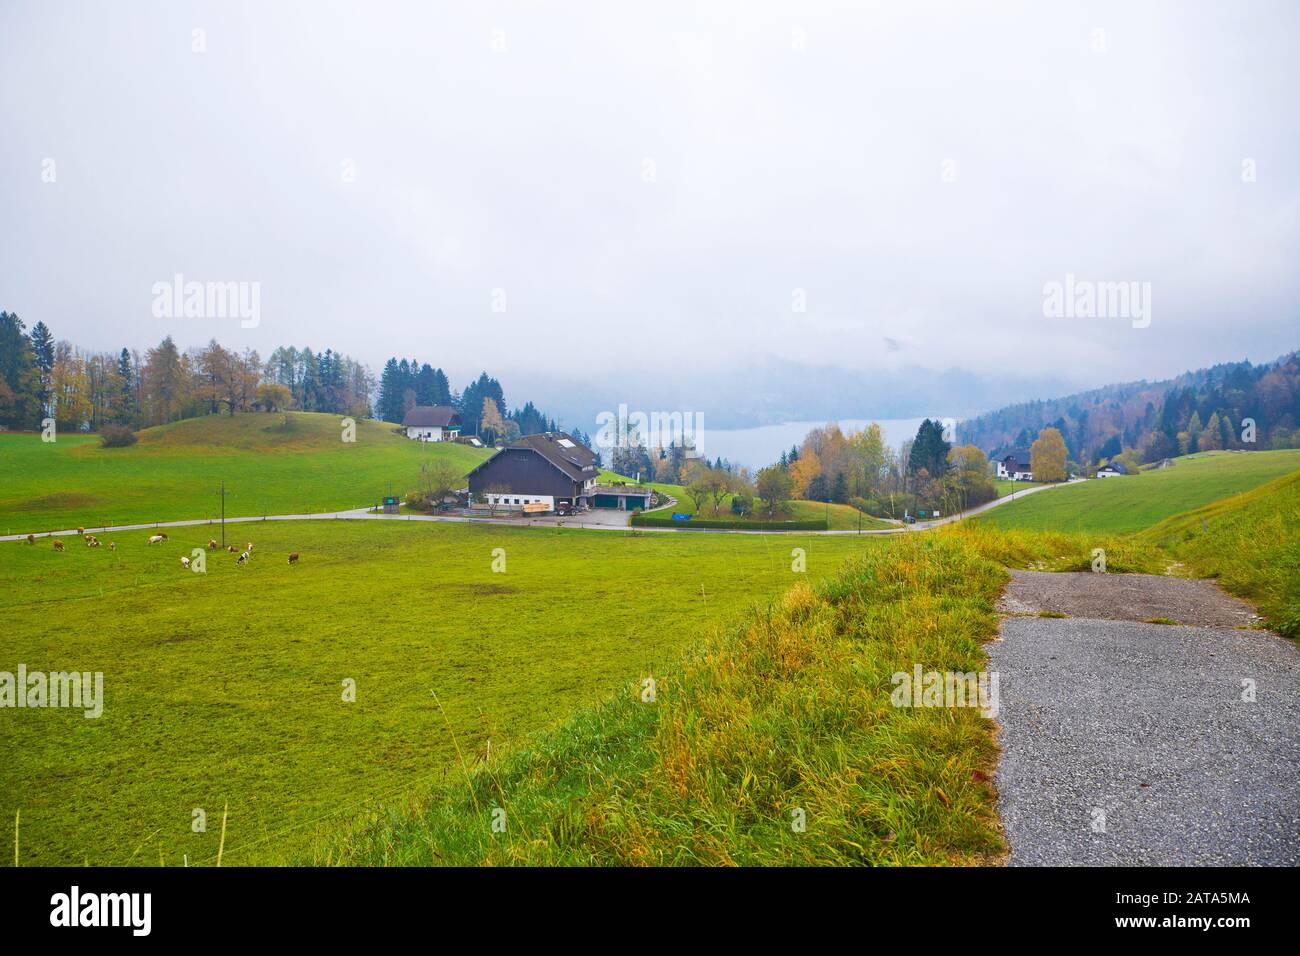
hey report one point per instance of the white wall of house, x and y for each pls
(1017, 476)
(433, 433)
(1107, 474)
(512, 500)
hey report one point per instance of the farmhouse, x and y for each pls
(432, 423)
(549, 468)
(1112, 470)
(1015, 465)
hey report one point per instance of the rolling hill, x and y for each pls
(271, 463)
(1135, 502)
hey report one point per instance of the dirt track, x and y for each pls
(1125, 597)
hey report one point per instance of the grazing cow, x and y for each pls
(232, 549)
(157, 538)
(92, 541)
(185, 563)
(31, 539)
(243, 558)
(112, 546)
(293, 557)
(58, 545)
(249, 549)
(81, 531)
(212, 544)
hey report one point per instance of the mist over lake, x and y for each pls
(757, 447)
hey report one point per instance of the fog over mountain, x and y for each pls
(760, 211)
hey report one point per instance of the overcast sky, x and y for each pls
(650, 184)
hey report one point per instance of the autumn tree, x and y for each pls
(802, 472)
(1047, 456)
(774, 485)
(1211, 437)
(274, 397)
(490, 423)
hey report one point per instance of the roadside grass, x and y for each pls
(1249, 542)
(1005, 486)
(1057, 551)
(1135, 502)
(271, 464)
(227, 686)
(784, 717)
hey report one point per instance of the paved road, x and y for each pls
(594, 521)
(1130, 744)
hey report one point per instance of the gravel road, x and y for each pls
(1130, 744)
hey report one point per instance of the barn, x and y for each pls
(548, 468)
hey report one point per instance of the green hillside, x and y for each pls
(270, 463)
(1250, 542)
(1135, 502)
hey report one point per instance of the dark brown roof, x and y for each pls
(559, 448)
(431, 416)
(577, 462)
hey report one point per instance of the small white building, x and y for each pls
(432, 423)
(1112, 470)
(1015, 465)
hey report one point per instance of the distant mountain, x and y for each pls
(777, 391)
(1197, 410)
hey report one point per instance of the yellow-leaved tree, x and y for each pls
(1047, 456)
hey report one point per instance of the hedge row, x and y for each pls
(662, 521)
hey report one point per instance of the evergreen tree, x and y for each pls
(426, 386)
(929, 450)
(126, 407)
(20, 405)
(43, 356)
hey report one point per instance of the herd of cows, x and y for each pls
(161, 537)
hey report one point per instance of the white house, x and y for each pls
(432, 423)
(1015, 465)
(1112, 470)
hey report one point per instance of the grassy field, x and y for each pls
(1005, 486)
(1135, 502)
(226, 687)
(271, 464)
(774, 743)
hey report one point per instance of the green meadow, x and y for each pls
(838, 517)
(226, 691)
(271, 463)
(1134, 502)
(226, 688)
